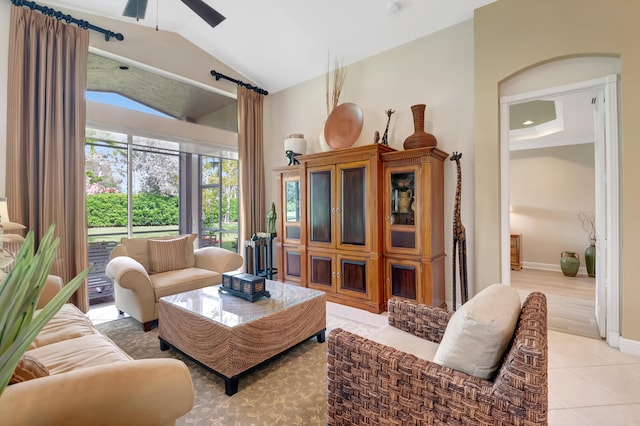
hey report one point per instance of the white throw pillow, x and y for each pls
(479, 332)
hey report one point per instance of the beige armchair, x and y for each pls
(145, 269)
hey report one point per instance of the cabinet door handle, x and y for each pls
(337, 209)
(387, 218)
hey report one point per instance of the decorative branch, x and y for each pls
(588, 221)
(335, 80)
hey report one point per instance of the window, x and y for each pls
(132, 189)
(132, 186)
(219, 193)
(142, 187)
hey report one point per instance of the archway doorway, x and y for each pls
(602, 93)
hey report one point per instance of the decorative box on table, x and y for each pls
(247, 286)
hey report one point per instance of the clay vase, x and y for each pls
(569, 263)
(296, 142)
(404, 200)
(419, 138)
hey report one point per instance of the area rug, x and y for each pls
(289, 390)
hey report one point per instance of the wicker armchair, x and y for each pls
(373, 384)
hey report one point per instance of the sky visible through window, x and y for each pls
(122, 102)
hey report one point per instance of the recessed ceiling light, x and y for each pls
(527, 123)
(393, 7)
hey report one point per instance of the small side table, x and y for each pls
(516, 252)
(262, 248)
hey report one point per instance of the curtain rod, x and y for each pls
(85, 25)
(218, 76)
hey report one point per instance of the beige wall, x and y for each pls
(511, 36)
(436, 70)
(548, 188)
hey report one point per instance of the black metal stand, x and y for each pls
(262, 259)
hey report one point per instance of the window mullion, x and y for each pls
(130, 186)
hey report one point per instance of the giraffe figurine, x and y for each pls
(459, 240)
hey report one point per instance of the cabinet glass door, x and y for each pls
(402, 217)
(320, 205)
(353, 208)
(291, 208)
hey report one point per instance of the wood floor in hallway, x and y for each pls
(570, 301)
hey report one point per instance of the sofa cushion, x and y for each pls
(405, 342)
(167, 255)
(28, 368)
(179, 281)
(479, 332)
(137, 248)
(81, 352)
(68, 323)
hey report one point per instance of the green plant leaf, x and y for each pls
(19, 295)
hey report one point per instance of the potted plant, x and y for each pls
(19, 294)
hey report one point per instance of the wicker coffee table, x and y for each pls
(230, 335)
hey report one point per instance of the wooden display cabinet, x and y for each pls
(414, 225)
(335, 242)
(291, 227)
(344, 244)
(366, 225)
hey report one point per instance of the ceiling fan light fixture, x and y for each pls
(135, 9)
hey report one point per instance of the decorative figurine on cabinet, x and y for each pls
(385, 140)
(271, 219)
(292, 157)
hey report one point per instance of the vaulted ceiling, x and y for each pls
(280, 43)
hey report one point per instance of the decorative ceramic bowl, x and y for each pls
(344, 125)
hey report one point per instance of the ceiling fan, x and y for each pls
(138, 8)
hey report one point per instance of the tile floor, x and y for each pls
(590, 383)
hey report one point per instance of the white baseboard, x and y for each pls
(628, 346)
(551, 267)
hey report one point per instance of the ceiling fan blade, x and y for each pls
(206, 12)
(135, 9)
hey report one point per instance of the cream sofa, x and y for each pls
(91, 381)
(138, 289)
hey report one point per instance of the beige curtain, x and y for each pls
(251, 156)
(45, 135)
